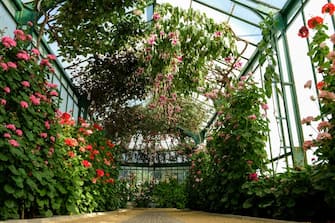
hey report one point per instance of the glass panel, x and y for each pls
(292, 115)
(6, 21)
(211, 13)
(63, 96)
(185, 4)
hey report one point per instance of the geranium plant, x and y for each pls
(28, 128)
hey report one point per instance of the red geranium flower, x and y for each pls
(314, 21)
(320, 85)
(86, 163)
(303, 32)
(71, 142)
(328, 8)
(100, 172)
(97, 127)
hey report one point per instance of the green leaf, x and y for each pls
(32, 184)
(9, 189)
(10, 204)
(247, 203)
(3, 157)
(13, 169)
(18, 181)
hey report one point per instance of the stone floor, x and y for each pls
(151, 215)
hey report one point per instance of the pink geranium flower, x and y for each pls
(35, 51)
(6, 89)
(14, 143)
(23, 55)
(44, 135)
(54, 93)
(25, 83)
(7, 135)
(19, 132)
(11, 65)
(11, 127)
(35, 100)
(8, 42)
(24, 104)
(4, 66)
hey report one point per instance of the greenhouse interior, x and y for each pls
(219, 106)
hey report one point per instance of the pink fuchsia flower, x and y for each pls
(54, 93)
(14, 143)
(4, 66)
(51, 57)
(217, 34)
(253, 176)
(174, 41)
(11, 65)
(308, 84)
(307, 120)
(3, 101)
(52, 138)
(323, 125)
(265, 106)
(6, 89)
(34, 100)
(327, 95)
(44, 135)
(7, 135)
(323, 136)
(156, 16)
(35, 51)
(11, 127)
(180, 59)
(24, 104)
(252, 117)
(8, 42)
(238, 65)
(152, 39)
(25, 83)
(19, 132)
(307, 144)
(23, 55)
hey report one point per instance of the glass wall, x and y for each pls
(147, 174)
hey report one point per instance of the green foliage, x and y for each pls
(170, 194)
(267, 49)
(91, 27)
(235, 149)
